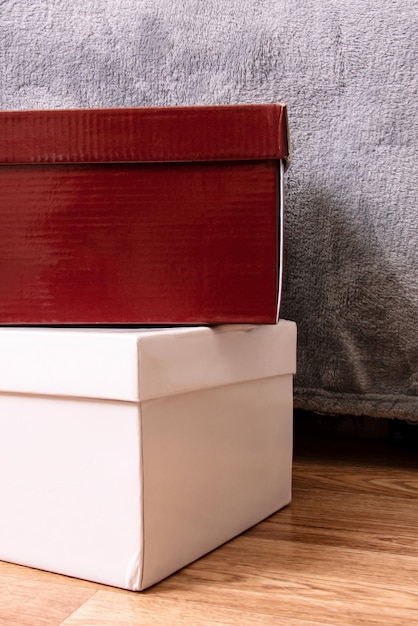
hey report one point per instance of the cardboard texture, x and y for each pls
(141, 216)
(130, 453)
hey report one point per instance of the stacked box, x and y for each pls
(129, 449)
(141, 216)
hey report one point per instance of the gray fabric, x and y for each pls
(349, 74)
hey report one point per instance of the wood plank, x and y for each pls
(218, 597)
(246, 560)
(16, 573)
(321, 517)
(152, 610)
(396, 482)
(29, 602)
(331, 585)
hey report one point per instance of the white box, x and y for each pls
(127, 454)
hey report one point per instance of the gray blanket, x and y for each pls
(349, 74)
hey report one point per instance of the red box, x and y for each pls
(141, 216)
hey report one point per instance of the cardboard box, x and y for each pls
(127, 454)
(141, 216)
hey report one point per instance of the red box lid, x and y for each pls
(203, 133)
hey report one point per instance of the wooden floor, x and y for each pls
(344, 553)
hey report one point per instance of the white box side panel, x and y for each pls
(215, 463)
(70, 490)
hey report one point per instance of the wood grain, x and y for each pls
(29, 602)
(12, 571)
(152, 610)
(319, 517)
(344, 553)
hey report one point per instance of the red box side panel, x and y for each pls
(138, 244)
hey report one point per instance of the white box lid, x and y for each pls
(141, 364)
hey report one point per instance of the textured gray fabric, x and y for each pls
(349, 74)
